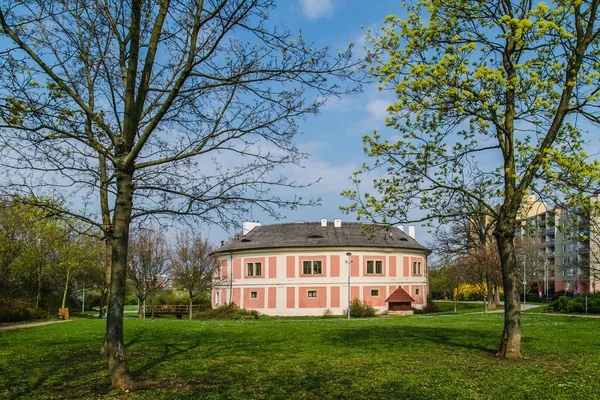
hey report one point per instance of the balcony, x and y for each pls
(550, 243)
(550, 231)
(550, 255)
(584, 250)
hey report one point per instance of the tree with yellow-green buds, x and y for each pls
(493, 101)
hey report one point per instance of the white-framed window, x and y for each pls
(254, 269)
(570, 246)
(254, 295)
(374, 292)
(312, 267)
(374, 267)
(417, 291)
(312, 293)
(416, 270)
(217, 302)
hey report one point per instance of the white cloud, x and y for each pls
(315, 9)
(377, 108)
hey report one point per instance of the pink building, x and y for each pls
(298, 269)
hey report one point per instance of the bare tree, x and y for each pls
(192, 267)
(148, 265)
(178, 108)
(470, 242)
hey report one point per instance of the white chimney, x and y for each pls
(323, 222)
(411, 231)
(401, 227)
(337, 223)
(247, 226)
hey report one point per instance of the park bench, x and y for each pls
(178, 310)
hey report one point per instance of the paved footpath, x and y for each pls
(30, 325)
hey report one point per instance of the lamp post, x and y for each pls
(348, 262)
(546, 284)
(524, 281)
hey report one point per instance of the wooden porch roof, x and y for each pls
(399, 296)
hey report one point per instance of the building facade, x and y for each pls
(298, 269)
(565, 243)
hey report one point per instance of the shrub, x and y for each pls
(328, 313)
(430, 308)
(13, 315)
(231, 311)
(561, 304)
(38, 313)
(131, 300)
(575, 304)
(361, 309)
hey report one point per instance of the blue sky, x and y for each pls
(334, 137)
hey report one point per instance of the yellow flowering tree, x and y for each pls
(493, 100)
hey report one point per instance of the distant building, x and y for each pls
(569, 248)
(296, 269)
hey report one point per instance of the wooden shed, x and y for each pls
(399, 300)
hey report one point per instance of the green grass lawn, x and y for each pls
(420, 357)
(461, 307)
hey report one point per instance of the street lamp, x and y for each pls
(524, 281)
(348, 262)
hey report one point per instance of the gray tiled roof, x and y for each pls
(312, 234)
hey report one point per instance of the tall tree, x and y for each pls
(496, 93)
(170, 107)
(192, 267)
(148, 264)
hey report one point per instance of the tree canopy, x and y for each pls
(493, 100)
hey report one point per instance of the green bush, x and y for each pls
(594, 304)
(430, 308)
(231, 311)
(38, 313)
(561, 304)
(575, 304)
(328, 313)
(131, 300)
(13, 315)
(361, 309)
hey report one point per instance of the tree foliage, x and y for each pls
(42, 259)
(493, 100)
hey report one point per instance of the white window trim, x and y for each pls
(420, 269)
(312, 267)
(374, 267)
(316, 292)
(253, 269)
(374, 290)
(254, 295)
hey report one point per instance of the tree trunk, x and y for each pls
(190, 307)
(107, 275)
(101, 314)
(455, 297)
(108, 233)
(64, 299)
(38, 296)
(510, 345)
(140, 308)
(117, 364)
(496, 295)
